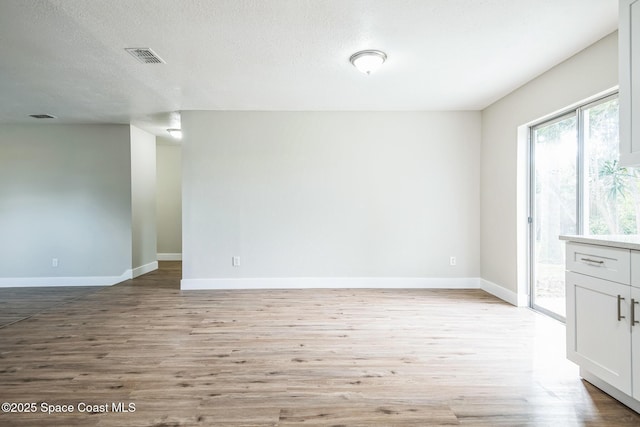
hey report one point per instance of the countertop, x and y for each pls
(630, 241)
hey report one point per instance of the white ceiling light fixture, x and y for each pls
(368, 61)
(175, 133)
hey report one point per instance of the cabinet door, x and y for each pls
(629, 77)
(635, 340)
(598, 328)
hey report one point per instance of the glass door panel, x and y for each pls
(555, 209)
(611, 191)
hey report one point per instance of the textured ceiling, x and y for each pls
(67, 57)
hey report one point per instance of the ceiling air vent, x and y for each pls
(42, 116)
(145, 55)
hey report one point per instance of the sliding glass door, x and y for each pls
(554, 200)
(611, 192)
(578, 187)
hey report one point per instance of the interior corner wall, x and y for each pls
(591, 71)
(329, 195)
(169, 199)
(65, 194)
(143, 202)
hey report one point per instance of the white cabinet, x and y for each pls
(635, 340)
(600, 261)
(603, 318)
(595, 328)
(629, 76)
(634, 320)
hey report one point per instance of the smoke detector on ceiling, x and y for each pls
(145, 55)
(176, 133)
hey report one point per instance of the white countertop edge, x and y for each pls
(631, 241)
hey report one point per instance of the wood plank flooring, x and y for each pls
(294, 358)
(20, 303)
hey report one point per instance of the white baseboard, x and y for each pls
(20, 282)
(144, 269)
(503, 293)
(170, 257)
(332, 283)
(356, 282)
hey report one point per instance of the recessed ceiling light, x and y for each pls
(368, 61)
(42, 116)
(176, 133)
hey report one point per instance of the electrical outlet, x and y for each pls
(235, 261)
(452, 260)
(54, 262)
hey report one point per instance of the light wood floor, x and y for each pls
(295, 357)
(20, 303)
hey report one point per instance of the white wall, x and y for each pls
(503, 254)
(64, 193)
(143, 205)
(330, 194)
(169, 199)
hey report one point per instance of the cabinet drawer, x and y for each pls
(600, 261)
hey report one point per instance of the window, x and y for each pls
(611, 193)
(576, 186)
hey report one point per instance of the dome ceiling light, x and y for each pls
(368, 61)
